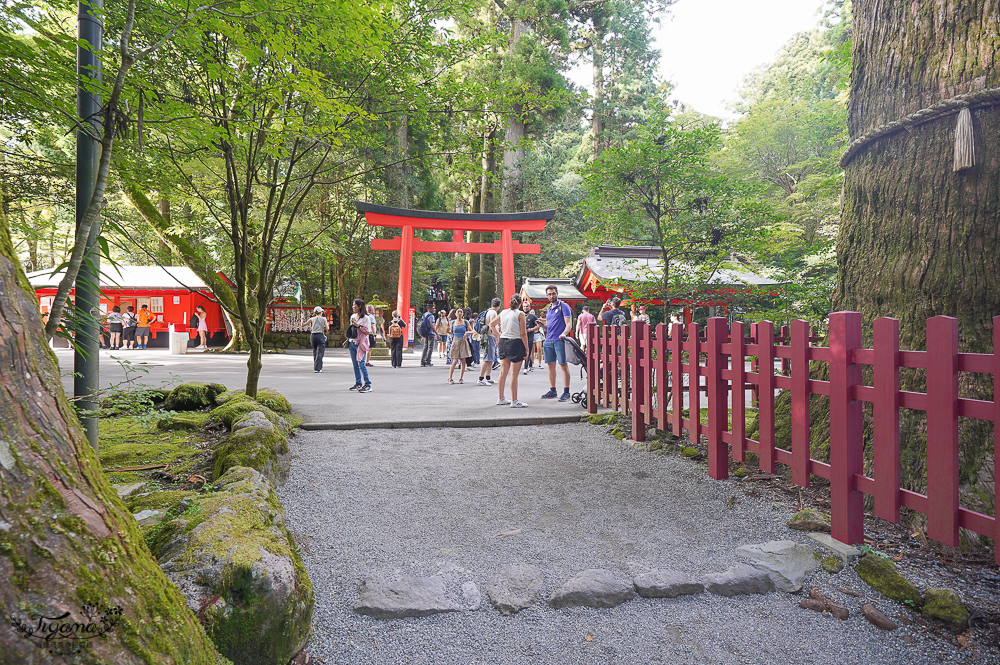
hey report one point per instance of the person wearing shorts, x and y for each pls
(142, 331)
(510, 327)
(115, 326)
(129, 327)
(489, 344)
(558, 322)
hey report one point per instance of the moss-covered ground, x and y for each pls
(129, 441)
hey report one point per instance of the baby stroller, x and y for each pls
(575, 355)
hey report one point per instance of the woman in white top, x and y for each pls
(513, 347)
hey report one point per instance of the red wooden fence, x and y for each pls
(628, 367)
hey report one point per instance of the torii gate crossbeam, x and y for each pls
(410, 220)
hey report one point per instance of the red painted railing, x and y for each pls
(627, 367)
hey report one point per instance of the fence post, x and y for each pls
(610, 374)
(886, 416)
(639, 373)
(659, 371)
(593, 371)
(739, 391)
(677, 379)
(846, 435)
(694, 383)
(765, 396)
(718, 452)
(800, 403)
(996, 431)
(942, 429)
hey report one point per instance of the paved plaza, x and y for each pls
(410, 396)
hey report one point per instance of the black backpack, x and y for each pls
(193, 323)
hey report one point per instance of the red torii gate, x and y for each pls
(406, 244)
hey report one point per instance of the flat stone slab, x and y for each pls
(666, 584)
(843, 551)
(596, 587)
(787, 562)
(127, 490)
(146, 517)
(403, 597)
(515, 587)
(739, 580)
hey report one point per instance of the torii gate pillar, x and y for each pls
(410, 220)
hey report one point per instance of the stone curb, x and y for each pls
(450, 422)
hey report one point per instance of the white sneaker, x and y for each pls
(482, 381)
(518, 404)
(503, 402)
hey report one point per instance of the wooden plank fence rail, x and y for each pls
(642, 370)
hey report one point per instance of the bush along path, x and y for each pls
(960, 602)
(197, 466)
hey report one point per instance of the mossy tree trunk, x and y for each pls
(66, 539)
(917, 239)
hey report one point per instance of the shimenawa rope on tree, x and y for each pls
(964, 137)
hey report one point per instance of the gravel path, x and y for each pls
(423, 502)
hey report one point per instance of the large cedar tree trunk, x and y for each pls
(66, 539)
(916, 238)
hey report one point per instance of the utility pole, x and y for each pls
(87, 346)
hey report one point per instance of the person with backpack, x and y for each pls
(427, 332)
(145, 318)
(396, 336)
(441, 328)
(129, 325)
(615, 316)
(484, 326)
(318, 328)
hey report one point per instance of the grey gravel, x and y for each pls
(378, 503)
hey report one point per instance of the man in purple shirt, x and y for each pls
(558, 323)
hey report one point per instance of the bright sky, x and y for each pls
(708, 46)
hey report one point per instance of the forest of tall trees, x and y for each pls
(245, 150)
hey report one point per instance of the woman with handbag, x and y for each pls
(357, 344)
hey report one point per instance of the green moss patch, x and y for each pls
(881, 574)
(832, 564)
(236, 408)
(261, 448)
(690, 452)
(269, 397)
(193, 396)
(158, 500)
(946, 605)
(128, 442)
(181, 421)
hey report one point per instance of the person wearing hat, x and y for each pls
(642, 316)
(318, 327)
